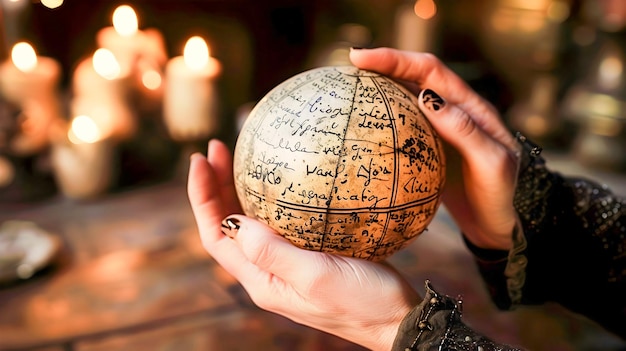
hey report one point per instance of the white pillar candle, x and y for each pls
(102, 92)
(83, 160)
(31, 82)
(27, 76)
(128, 43)
(191, 106)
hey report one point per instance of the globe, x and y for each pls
(340, 160)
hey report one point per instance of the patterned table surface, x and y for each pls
(132, 275)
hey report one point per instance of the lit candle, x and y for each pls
(102, 92)
(128, 43)
(190, 103)
(52, 4)
(27, 76)
(83, 160)
(31, 82)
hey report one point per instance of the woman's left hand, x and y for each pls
(360, 301)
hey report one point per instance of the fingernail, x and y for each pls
(432, 101)
(195, 155)
(230, 226)
(356, 48)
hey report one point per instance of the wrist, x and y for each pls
(388, 332)
(491, 241)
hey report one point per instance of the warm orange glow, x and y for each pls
(105, 64)
(196, 53)
(425, 9)
(151, 79)
(83, 130)
(52, 4)
(125, 21)
(24, 57)
(610, 72)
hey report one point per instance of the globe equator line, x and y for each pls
(386, 209)
(365, 209)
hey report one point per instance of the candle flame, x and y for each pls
(151, 79)
(84, 130)
(24, 57)
(52, 4)
(425, 9)
(105, 64)
(196, 53)
(125, 20)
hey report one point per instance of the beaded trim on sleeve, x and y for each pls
(435, 302)
(515, 270)
(439, 327)
(530, 189)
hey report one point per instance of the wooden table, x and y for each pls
(132, 275)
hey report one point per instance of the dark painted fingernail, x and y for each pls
(230, 227)
(432, 101)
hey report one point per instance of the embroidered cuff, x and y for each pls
(435, 324)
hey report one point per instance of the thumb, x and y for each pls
(267, 249)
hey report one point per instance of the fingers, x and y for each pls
(221, 160)
(488, 172)
(210, 189)
(206, 198)
(427, 71)
(457, 127)
(249, 250)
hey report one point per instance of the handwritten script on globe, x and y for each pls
(340, 160)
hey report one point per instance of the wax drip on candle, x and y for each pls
(125, 21)
(196, 53)
(24, 57)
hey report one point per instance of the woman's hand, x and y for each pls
(480, 186)
(358, 300)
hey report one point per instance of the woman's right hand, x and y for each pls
(480, 186)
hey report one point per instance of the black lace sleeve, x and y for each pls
(436, 324)
(569, 246)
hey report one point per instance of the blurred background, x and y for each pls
(554, 69)
(102, 102)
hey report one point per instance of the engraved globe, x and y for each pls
(340, 160)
